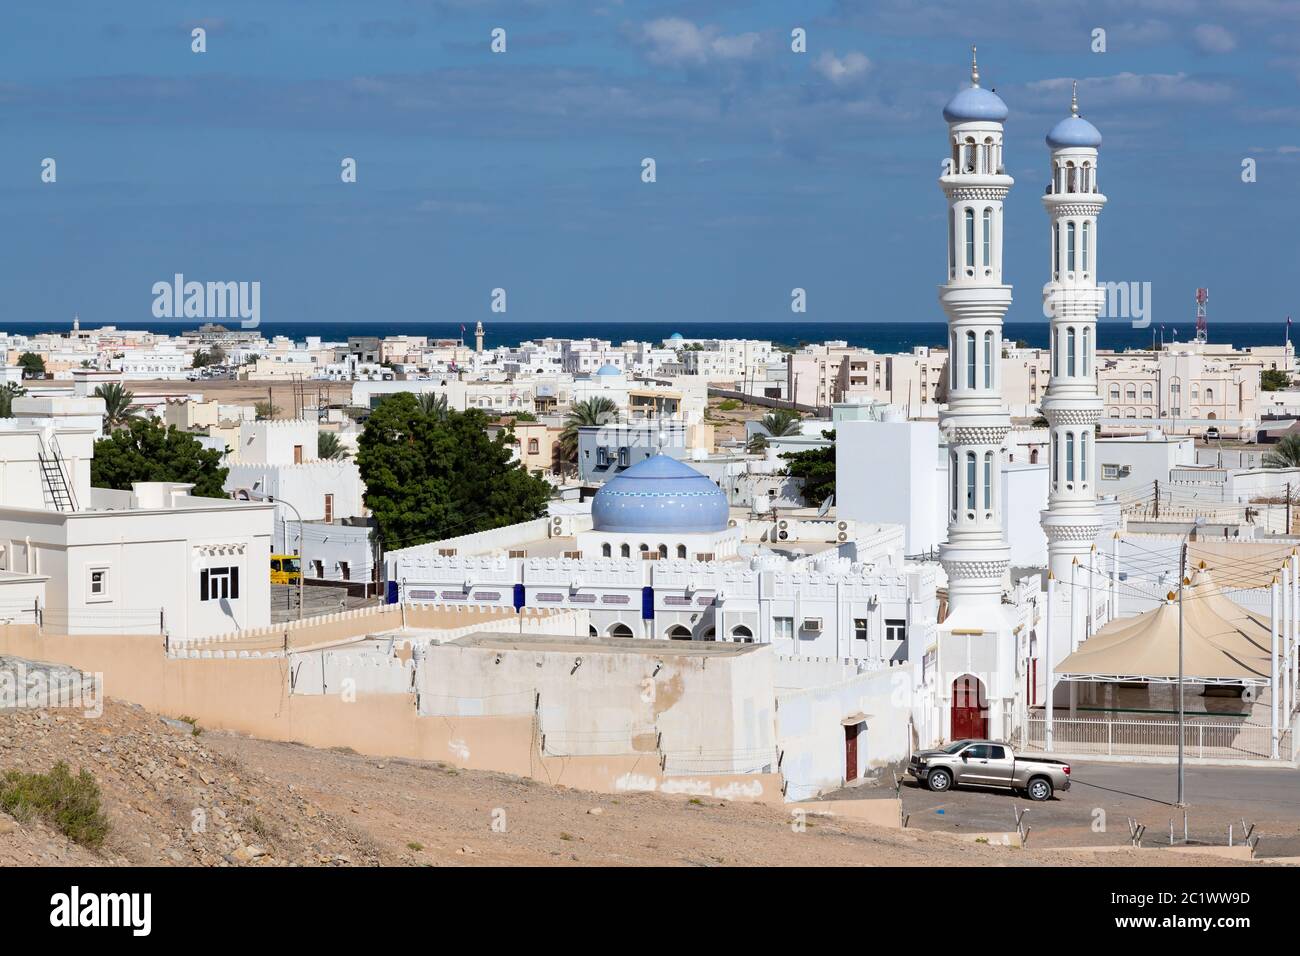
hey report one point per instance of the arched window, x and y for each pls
(1085, 260)
(1146, 393)
(1087, 348)
(645, 548)
(1069, 246)
(1069, 351)
(1209, 394)
(1069, 456)
(1083, 457)
(681, 551)
(970, 481)
(970, 238)
(970, 359)
(620, 630)
(988, 237)
(1056, 459)
(952, 241)
(955, 476)
(1114, 393)
(952, 362)
(679, 633)
(988, 359)
(663, 550)
(605, 551)
(988, 481)
(625, 551)
(742, 634)
(1056, 252)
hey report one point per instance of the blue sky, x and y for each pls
(522, 170)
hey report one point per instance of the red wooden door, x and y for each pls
(969, 716)
(851, 752)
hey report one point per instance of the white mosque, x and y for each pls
(661, 554)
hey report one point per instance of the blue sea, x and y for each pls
(879, 336)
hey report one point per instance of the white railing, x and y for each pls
(1156, 735)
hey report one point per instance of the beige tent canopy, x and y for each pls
(1222, 644)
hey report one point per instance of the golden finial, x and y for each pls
(1074, 99)
(1169, 596)
(974, 68)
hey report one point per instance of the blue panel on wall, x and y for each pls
(392, 592)
(519, 596)
(647, 604)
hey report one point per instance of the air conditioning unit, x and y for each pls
(811, 624)
(783, 524)
(843, 526)
(842, 536)
(517, 553)
(783, 535)
(731, 522)
(573, 554)
(446, 552)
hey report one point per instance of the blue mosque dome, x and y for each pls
(676, 337)
(609, 370)
(1074, 130)
(660, 494)
(975, 104)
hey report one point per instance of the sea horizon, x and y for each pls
(877, 336)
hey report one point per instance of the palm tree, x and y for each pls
(1285, 454)
(328, 446)
(775, 424)
(594, 411)
(431, 403)
(117, 404)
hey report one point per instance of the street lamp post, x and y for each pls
(272, 499)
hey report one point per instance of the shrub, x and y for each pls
(69, 804)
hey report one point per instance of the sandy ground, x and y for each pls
(234, 392)
(217, 799)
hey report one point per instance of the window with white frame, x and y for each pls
(783, 627)
(895, 629)
(97, 584)
(860, 628)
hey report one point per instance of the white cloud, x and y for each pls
(1137, 88)
(1212, 38)
(842, 69)
(674, 40)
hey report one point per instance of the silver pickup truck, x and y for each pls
(987, 763)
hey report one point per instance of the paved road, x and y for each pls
(1104, 795)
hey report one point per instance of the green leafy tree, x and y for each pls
(329, 446)
(1285, 454)
(429, 477)
(8, 393)
(776, 424)
(145, 450)
(593, 411)
(117, 405)
(265, 410)
(817, 469)
(202, 359)
(1272, 380)
(33, 365)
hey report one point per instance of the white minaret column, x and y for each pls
(478, 338)
(975, 299)
(1071, 301)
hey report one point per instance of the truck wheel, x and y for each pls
(1039, 789)
(939, 780)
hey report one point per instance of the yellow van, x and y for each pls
(285, 569)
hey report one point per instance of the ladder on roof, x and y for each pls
(55, 478)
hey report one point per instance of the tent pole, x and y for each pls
(1272, 677)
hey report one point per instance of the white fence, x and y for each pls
(1156, 735)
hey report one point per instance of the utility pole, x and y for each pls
(1288, 507)
(1156, 515)
(1182, 578)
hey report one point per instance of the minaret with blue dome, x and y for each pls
(1072, 301)
(975, 299)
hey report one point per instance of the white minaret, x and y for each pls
(975, 299)
(1071, 301)
(478, 338)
